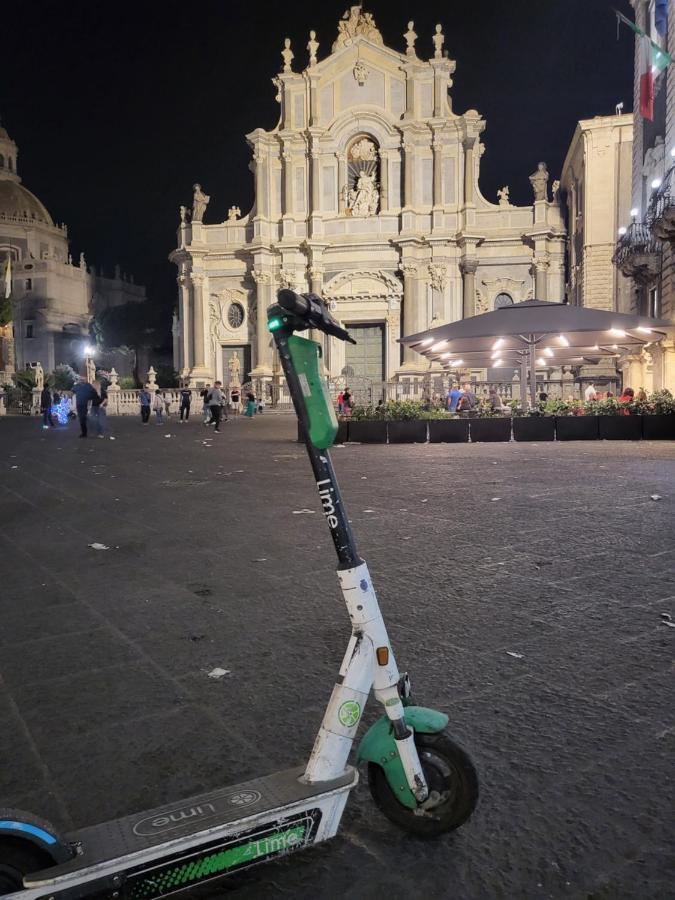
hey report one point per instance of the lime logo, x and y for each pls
(349, 713)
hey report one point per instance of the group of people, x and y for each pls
(216, 403)
(94, 398)
(463, 398)
(345, 403)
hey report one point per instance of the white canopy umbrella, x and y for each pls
(536, 332)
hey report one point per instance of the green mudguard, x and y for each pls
(379, 746)
(323, 425)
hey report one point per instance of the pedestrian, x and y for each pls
(495, 400)
(46, 407)
(216, 401)
(146, 404)
(590, 394)
(250, 405)
(185, 401)
(83, 393)
(167, 404)
(98, 408)
(454, 394)
(641, 396)
(347, 403)
(468, 400)
(260, 404)
(235, 400)
(626, 398)
(340, 402)
(158, 406)
(206, 412)
(543, 396)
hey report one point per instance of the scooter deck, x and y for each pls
(135, 844)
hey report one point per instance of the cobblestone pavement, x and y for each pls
(523, 585)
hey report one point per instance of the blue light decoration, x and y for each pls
(61, 410)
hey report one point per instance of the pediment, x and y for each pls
(363, 284)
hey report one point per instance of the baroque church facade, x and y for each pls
(52, 298)
(367, 193)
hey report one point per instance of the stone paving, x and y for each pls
(523, 585)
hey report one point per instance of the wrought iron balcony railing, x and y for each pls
(638, 253)
(661, 211)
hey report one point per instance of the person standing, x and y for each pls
(84, 394)
(590, 393)
(340, 401)
(98, 408)
(185, 401)
(146, 403)
(158, 406)
(46, 407)
(495, 400)
(250, 405)
(347, 403)
(216, 401)
(626, 398)
(206, 412)
(235, 398)
(468, 400)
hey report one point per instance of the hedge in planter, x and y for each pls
(533, 428)
(577, 428)
(413, 432)
(493, 429)
(364, 431)
(620, 428)
(448, 431)
(658, 427)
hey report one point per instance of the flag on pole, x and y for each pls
(661, 17)
(8, 279)
(646, 78)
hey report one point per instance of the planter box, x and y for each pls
(620, 428)
(342, 433)
(449, 431)
(368, 432)
(497, 429)
(658, 428)
(413, 432)
(577, 428)
(534, 428)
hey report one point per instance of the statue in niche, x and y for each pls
(235, 367)
(539, 182)
(200, 201)
(360, 72)
(364, 150)
(503, 195)
(364, 199)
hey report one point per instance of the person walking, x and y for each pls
(158, 406)
(98, 408)
(206, 412)
(590, 393)
(454, 394)
(347, 403)
(340, 402)
(84, 394)
(250, 405)
(185, 401)
(468, 400)
(495, 400)
(167, 404)
(146, 403)
(216, 401)
(46, 407)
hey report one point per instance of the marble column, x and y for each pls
(468, 266)
(316, 186)
(260, 190)
(264, 299)
(384, 181)
(469, 144)
(184, 316)
(410, 357)
(437, 148)
(316, 287)
(409, 162)
(540, 278)
(288, 183)
(342, 181)
(199, 359)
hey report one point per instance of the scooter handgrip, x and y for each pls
(293, 303)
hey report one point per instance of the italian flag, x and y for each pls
(653, 59)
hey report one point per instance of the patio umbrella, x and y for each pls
(536, 330)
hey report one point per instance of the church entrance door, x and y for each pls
(365, 359)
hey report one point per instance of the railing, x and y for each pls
(638, 253)
(663, 202)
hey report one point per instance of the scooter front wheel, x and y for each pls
(19, 858)
(453, 787)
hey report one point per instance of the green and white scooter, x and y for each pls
(419, 778)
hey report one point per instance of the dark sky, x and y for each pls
(119, 107)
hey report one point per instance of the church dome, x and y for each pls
(17, 202)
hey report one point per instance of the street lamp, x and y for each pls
(88, 351)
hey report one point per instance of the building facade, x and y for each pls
(52, 298)
(366, 192)
(645, 252)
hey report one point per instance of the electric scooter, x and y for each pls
(418, 777)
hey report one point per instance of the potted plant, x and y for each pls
(572, 423)
(406, 421)
(537, 424)
(367, 426)
(448, 429)
(617, 420)
(658, 421)
(490, 424)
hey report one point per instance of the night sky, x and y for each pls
(119, 107)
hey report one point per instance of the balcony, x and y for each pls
(661, 211)
(638, 253)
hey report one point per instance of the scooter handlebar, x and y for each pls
(312, 310)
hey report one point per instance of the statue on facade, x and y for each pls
(503, 195)
(233, 213)
(200, 201)
(364, 150)
(438, 40)
(39, 376)
(410, 38)
(555, 191)
(360, 72)
(287, 55)
(539, 182)
(364, 199)
(83, 262)
(312, 47)
(183, 211)
(90, 368)
(235, 367)
(356, 22)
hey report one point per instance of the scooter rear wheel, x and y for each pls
(448, 771)
(19, 858)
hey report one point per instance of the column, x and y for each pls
(199, 359)
(263, 353)
(408, 163)
(316, 287)
(468, 266)
(184, 317)
(384, 181)
(540, 278)
(410, 357)
(316, 192)
(288, 183)
(468, 170)
(437, 148)
(260, 192)
(342, 181)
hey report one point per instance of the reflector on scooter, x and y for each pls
(382, 654)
